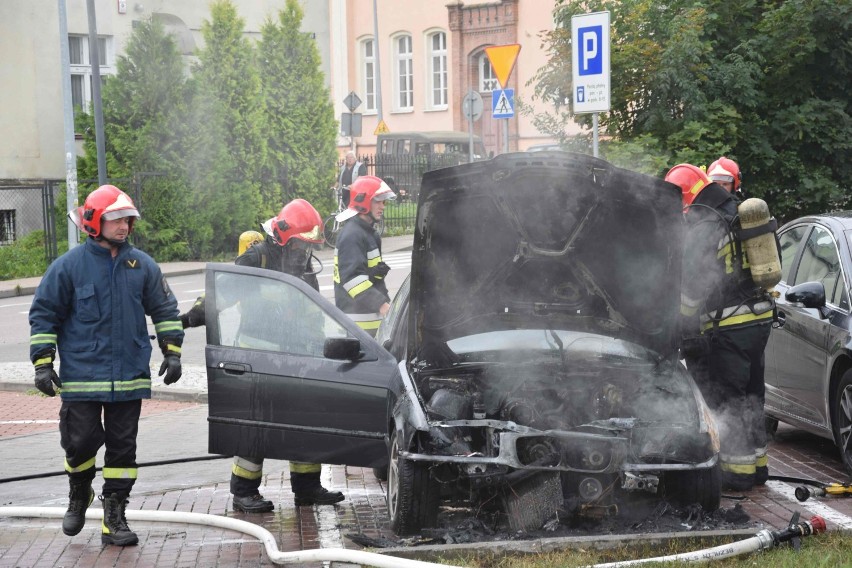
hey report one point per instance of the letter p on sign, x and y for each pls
(590, 55)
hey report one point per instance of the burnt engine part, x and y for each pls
(532, 502)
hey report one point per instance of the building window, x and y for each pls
(81, 68)
(403, 73)
(487, 79)
(368, 74)
(7, 226)
(437, 43)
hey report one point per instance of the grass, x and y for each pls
(25, 257)
(829, 550)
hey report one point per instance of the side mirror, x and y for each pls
(344, 348)
(808, 294)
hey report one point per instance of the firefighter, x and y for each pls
(359, 272)
(287, 249)
(91, 306)
(726, 173)
(726, 320)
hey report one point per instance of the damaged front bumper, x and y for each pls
(608, 446)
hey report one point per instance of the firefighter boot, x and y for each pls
(114, 528)
(80, 497)
(253, 504)
(308, 490)
(761, 475)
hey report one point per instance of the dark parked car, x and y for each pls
(529, 362)
(809, 359)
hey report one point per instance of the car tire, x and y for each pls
(841, 412)
(380, 473)
(703, 486)
(412, 493)
(771, 426)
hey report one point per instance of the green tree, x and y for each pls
(140, 106)
(225, 147)
(300, 120)
(761, 81)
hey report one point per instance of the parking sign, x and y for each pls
(590, 39)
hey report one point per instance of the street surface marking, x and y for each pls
(328, 527)
(14, 305)
(2, 422)
(812, 505)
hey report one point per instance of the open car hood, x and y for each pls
(545, 240)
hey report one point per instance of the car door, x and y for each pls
(801, 345)
(271, 391)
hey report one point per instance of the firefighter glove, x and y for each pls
(45, 378)
(172, 368)
(195, 316)
(379, 271)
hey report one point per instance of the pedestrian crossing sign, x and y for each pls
(503, 103)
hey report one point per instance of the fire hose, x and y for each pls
(296, 557)
(763, 540)
(812, 488)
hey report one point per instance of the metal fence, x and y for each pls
(27, 206)
(403, 172)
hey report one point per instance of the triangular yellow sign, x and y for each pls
(502, 58)
(382, 128)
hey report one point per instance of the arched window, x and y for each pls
(437, 68)
(368, 74)
(487, 79)
(403, 73)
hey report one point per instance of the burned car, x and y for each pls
(529, 363)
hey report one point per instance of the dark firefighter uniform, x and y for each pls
(733, 323)
(247, 471)
(359, 274)
(92, 308)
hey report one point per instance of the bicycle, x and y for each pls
(331, 226)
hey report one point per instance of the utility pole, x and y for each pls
(68, 112)
(95, 60)
(378, 62)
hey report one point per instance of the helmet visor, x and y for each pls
(121, 213)
(722, 178)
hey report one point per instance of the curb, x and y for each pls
(439, 552)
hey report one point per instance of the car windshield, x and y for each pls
(849, 238)
(532, 344)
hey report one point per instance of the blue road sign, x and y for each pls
(503, 103)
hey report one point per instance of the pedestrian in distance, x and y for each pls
(359, 271)
(351, 170)
(90, 307)
(726, 319)
(286, 248)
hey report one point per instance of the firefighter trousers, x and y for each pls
(83, 430)
(246, 474)
(731, 378)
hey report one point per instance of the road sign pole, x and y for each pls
(595, 134)
(469, 112)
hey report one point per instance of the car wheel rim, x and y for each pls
(844, 422)
(393, 478)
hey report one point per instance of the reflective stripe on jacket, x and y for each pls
(92, 308)
(358, 290)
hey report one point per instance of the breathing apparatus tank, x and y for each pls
(757, 238)
(248, 238)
